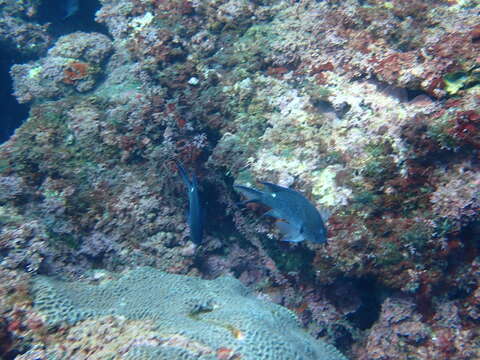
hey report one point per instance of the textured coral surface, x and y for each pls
(368, 108)
(193, 318)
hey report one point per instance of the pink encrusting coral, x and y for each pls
(369, 109)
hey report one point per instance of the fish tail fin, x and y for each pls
(183, 173)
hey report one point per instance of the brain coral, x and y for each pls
(194, 318)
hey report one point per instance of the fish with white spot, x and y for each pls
(297, 218)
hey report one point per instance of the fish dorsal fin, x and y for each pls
(183, 174)
(274, 187)
(324, 213)
(252, 195)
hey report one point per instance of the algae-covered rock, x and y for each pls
(193, 318)
(72, 66)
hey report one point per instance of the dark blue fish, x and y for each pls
(298, 219)
(195, 212)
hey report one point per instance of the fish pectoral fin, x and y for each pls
(290, 232)
(295, 239)
(246, 202)
(285, 227)
(273, 213)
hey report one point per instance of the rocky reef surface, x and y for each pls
(369, 108)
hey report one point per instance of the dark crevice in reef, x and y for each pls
(370, 295)
(466, 249)
(83, 19)
(404, 95)
(412, 94)
(469, 236)
(215, 212)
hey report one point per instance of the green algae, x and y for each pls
(317, 92)
(245, 177)
(334, 157)
(365, 199)
(297, 259)
(444, 227)
(4, 165)
(250, 52)
(417, 236)
(9, 216)
(389, 255)
(380, 166)
(456, 81)
(439, 132)
(67, 239)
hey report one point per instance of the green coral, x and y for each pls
(214, 314)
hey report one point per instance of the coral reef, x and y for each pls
(20, 33)
(192, 318)
(74, 63)
(400, 329)
(18, 322)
